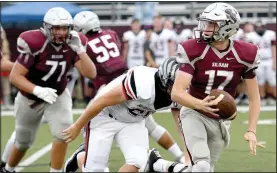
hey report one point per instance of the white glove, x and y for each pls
(75, 43)
(47, 94)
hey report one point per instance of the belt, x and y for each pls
(111, 116)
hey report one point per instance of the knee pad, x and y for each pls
(154, 129)
(157, 133)
(24, 139)
(201, 166)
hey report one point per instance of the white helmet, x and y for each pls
(56, 16)
(86, 21)
(225, 16)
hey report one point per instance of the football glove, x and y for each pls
(47, 94)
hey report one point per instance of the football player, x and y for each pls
(133, 45)
(103, 49)
(118, 113)
(72, 77)
(267, 70)
(162, 41)
(86, 20)
(217, 63)
(6, 64)
(181, 32)
(39, 73)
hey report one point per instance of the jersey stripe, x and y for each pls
(129, 85)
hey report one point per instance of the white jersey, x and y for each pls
(238, 35)
(72, 76)
(252, 37)
(265, 44)
(159, 44)
(135, 47)
(184, 35)
(144, 97)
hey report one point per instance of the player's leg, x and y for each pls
(26, 126)
(7, 150)
(99, 134)
(261, 77)
(195, 136)
(163, 138)
(271, 79)
(217, 136)
(9, 144)
(76, 160)
(157, 163)
(134, 143)
(99, 138)
(59, 117)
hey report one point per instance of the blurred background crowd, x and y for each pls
(147, 19)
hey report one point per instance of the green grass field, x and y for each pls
(234, 159)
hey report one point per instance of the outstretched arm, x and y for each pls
(114, 95)
(254, 112)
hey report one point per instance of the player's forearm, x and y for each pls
(171, 48)
(22, 83)
(150, 59)
(184, 99)
(125, 52)
(254, 112)
(88, 68)
(90, 112)
(6, 65)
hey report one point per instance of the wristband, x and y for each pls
(251, 132)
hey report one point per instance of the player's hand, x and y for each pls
(75, 43)
(250, 137)
(47, 94)
(274, 66)
(206, 105)
(71, 133)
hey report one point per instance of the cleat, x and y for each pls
(71, 164)
(153, 157)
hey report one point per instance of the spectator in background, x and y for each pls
(181, 32)
(6, 66)
(162, 41)
(266, 73)
(168, 24)
(133, 40)
(148, 53)
(144, 12)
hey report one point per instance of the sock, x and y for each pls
(162, 165)
(167, 166)
(8, 148)
(176, 151)
(9, 168)
(55, 170)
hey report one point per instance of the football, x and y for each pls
(226, 105)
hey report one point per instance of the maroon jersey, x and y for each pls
(104, 50)
(47, 64)
(212, 69)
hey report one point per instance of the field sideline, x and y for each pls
(235, 159)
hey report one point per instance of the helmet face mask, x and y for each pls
(225, 19)
(57, 24)
(206, 31)
(167, 73)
